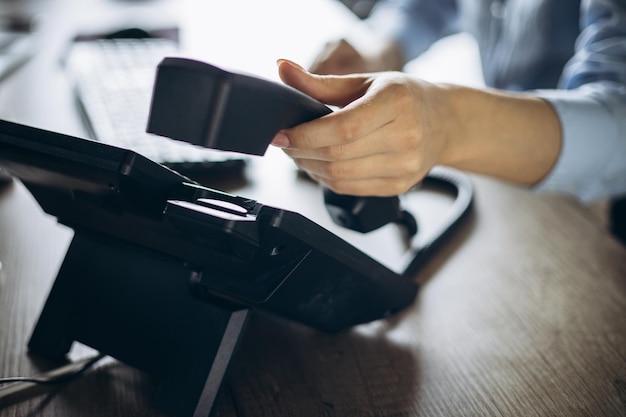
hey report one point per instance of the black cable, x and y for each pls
(365, 214)
(57, 379)
(459, 184)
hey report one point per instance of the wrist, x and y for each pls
(454, 119)
(515, 137)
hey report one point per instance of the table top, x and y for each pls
(521, 312)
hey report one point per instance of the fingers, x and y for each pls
(381, 143)
(387, 162)
(372, 166)
(333, 90)
(374, 187)
(361, 115)
(367, 145)
(338, 130)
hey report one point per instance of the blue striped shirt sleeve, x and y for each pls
(591, 105)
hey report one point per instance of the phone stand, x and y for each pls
(137, 307)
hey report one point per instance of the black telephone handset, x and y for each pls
(205, 105)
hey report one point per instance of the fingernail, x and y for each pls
(281, 140)
(288, 62)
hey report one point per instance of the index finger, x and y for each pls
(341, 127)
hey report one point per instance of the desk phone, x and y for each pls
(163, 272)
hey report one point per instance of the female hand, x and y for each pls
(391, 129)
(382, 141)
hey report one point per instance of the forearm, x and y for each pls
(514, 137)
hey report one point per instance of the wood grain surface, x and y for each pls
(521, 313)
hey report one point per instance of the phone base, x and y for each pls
(138, 306)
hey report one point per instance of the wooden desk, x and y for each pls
(523, 313)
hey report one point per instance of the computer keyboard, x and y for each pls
(113, 79)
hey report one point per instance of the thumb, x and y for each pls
(336, 90)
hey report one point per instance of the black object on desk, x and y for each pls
(196, 102)
(162, 272)
(205, 105)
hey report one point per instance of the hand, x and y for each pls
(383, 140)
(391, 129)
(342, 57)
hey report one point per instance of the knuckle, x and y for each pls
(408, 184)
(300, 137)
(304, 141)
(347, 130)
(339, 187)
(402, 93)
(409, 174)
(336, 171)
(334, 153)
(408, 166)
(399, 187)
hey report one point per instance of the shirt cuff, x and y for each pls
(592, 162)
